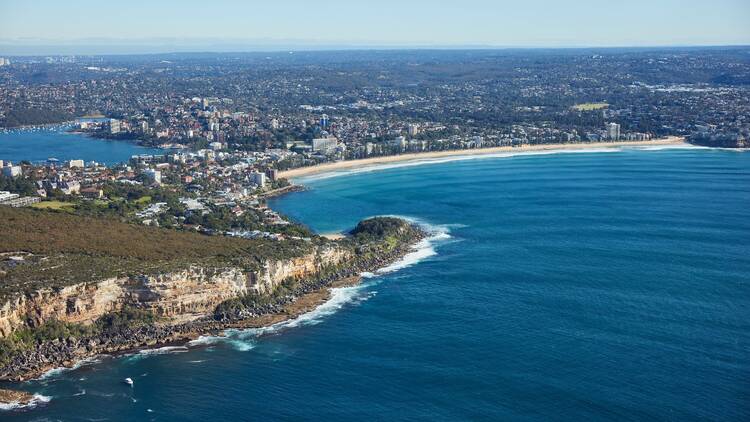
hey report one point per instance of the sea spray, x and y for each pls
(246, 339)
(35, 401)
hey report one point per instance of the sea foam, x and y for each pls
(246, 339)
(36, 400)
(55, 372)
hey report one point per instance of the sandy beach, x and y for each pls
(349, 164)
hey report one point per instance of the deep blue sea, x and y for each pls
(54, 142)
(575, 286)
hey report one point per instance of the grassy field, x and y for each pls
(62, 249)
(590, 106)
(54, 206)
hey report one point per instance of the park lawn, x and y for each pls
(55, 206)
(590, 106)
(143, 200)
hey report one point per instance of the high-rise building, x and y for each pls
(258, 178)
(9, 170)
(154, 175)
(327, 144)
(613, 131)
(114, 126)
(324, 120)
(399, 142)
(413, 129)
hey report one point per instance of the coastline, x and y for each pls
(302, 305)
(420, 156)
(311, 295)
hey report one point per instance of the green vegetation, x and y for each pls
(143, 200)
(371, 240)
(33, 116)
(64, 249)
(590, 106)
(19, 185)
(55, 206)
(379, 227)
(28, 339)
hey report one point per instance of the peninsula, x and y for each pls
(74, 287)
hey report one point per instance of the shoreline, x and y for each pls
(307, 299)
(421, 156)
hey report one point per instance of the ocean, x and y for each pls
(572, 286)
(38, 145)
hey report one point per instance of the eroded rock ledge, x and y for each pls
(178, 306)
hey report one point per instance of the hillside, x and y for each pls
(46, 249)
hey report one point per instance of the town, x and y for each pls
(209, 191)
(228, 124)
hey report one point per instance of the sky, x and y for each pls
(214, 25)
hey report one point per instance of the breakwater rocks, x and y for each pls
(195, 302)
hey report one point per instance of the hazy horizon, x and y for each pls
(86, 27)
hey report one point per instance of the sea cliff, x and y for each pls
(57, 326)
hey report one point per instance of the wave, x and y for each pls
(246, 339)
(164, 350)
(203, 341)
(662, 147)
(36, 400)
(153, 352)
(52, 373)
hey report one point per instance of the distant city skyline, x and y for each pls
(89, 27)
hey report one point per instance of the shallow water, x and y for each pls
(40, 144)
(566, 287)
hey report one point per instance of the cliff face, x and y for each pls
(176, 296)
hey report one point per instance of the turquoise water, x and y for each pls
(40, 144)
(586, 286)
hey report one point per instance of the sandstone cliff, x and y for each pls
(175, 296)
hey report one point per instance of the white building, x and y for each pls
(326, 144)
(399, 142)
(258, 178)
(413, 129)
(154, 175)
(613, 131)
(7, 196)
(114, 126)
(11, 170)
(76, 164)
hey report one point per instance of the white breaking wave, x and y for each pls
(159, 351)
(663, 147)
(62, 369)
(164, 350)
(34, 402)
(203, 341)
(421, 251)
(246, 339)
